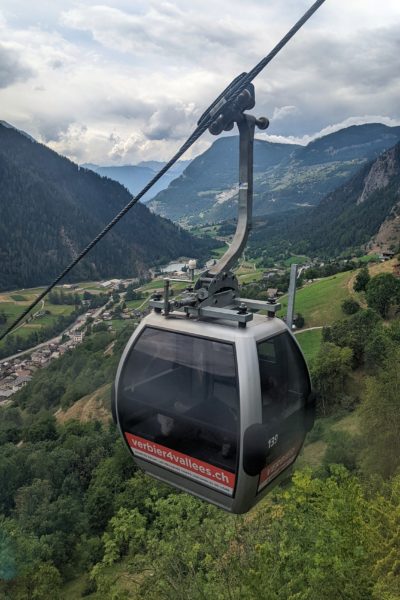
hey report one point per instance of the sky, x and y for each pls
(125, 81)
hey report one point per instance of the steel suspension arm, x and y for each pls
(246, 127)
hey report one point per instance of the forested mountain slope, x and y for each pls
(50, 209)
(285, 175)
(345, 220)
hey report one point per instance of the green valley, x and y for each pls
(100, 529)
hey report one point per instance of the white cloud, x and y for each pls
(281, 112)
(163, 29)
(12, 66)
(307, 138)
(126, 81)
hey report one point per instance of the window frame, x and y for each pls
(298, 350)
(294, 344)
(230, 343)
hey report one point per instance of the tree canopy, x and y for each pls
(383, 292)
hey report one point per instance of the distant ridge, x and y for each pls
(9, 126)
(135, 177)
(286, 176)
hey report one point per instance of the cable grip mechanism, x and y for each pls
(216, 292)
(231, 112)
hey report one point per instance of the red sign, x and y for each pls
(277, 466)
(202, 472)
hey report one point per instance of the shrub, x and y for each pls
(362, 280)
(350, 306)
(343, 449)
(383, 292)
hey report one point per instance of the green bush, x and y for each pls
(362, 280)
(342, 449)
(383, 292)
(350, 306)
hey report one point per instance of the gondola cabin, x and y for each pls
(216, 401)
(213, 409)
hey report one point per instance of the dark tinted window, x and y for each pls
(179, 392)
(283, 375)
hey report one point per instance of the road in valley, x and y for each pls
(81, 320)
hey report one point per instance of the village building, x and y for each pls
(386, 255)
(36, 358)
(21, 381)
(112, 283)
(23, 372)
(271, 273)
(77, 337)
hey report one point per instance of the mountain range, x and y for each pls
(50, 209)
(363, 212)
(286, 176)
(135, 177)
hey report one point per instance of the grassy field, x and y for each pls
(90, 285)
(40, 322)
(18, 297)
(312, 455)
(59, 309)
(118, 324)
(136, 303)
(369, 258)
(14, 303)
(218, 252)
(93, 406)
(298, 260)
(350, 424)
(313, 452)
(156, 284)
(12, 309)
(374, 269)
(310, 342)
(383, 267)
(202, 230)
(55, 311)
(246, 265)
(319, 302)
(22, 297)
(249, 275)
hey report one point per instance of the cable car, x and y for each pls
(213, 409)
(216, 401)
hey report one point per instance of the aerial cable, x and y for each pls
(237, 86)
